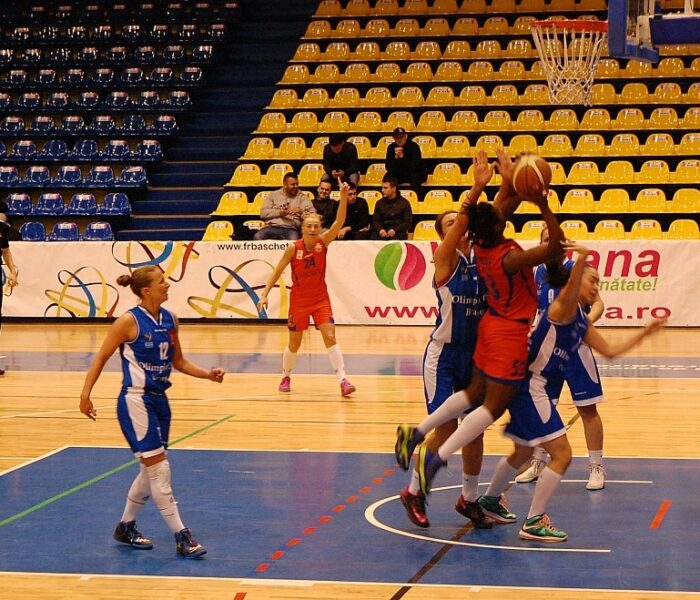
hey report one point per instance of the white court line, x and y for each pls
(33, 460)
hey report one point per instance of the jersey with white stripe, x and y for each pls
(461, 303)
(147, 359)
(545, 292)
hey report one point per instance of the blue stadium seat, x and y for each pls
(9, 176)
(23, 150)
(29, 101)
(54, 150)
(118, 100)
(145, 54)
(5, 101)
(19, 204)
(48, 204)
(77, 33)
(99, 176)
(115, 203)
(191, 75)
(116, 54)
(148, 99)
(81, 204)
(32, 56)
(103, 76)
(88, 100)
(7, 55)
(164, 125)
(20, 34)
(131, 32)
(179, 99)
(33, 231)
(116, 150)
(45, 78)
(68, 176)
(43, 124)
(72, 124)
(60, 55)
(88, 55)
(3, 150)
(174, 53)
(203, 53)
(161, 76)
(58, 100)
(216, 31)
(48, 33)
(149, 150)
(37, 176)
(132, 76)
(64, 232)
(12, 124)
(103, 33)
(188, 32)
(17, 78)
(133, 177)
(159, 32)
(85, 150)
(101, 124)
(133, 124)
(99, 231)
(74, 77)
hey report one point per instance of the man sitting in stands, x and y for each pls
(283, 211)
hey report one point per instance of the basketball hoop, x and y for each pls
(570, 51)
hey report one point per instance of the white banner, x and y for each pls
(380, 283)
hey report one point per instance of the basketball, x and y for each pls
(531, 176)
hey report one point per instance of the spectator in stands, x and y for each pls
(404, 160)
(393, 217)
(324, 205)
(357, 222)
(340, 161)
(6, 255)
(283, 211)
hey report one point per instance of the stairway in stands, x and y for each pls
(187, 185)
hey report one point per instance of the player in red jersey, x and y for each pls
(500, 358)
(309, 295)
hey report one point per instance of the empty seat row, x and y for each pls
(115, 55)
(117, 100)
(131, 76)
(71, 176)
(35, 231)
(102, 124)
(89, 150)
(612, 229)
(52, 204)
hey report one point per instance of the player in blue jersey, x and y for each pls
(534, 417)
(149, 346)
(582, 375)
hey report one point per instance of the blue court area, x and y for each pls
(336, 516)
(359, 364)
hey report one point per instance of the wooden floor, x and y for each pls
(650, 417)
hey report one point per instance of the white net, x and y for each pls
(569, 51)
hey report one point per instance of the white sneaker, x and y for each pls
(596, 479)
(533, 471)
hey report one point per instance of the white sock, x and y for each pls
(138, 495)
(595, 457)
(336, 358)
(547, 484)
(289, 359)
(469, 429)
(470, 487)
(540, 454)
(414, 485)
(162, 494)
(501, 477)
(453, 407)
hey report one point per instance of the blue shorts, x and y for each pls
(446, 369)
(533, 414)
(583, 378)
(145, 422)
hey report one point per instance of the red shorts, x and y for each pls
(502, 348)
(321, 312)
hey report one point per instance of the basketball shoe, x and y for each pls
(346, 388)
(541, 529)
(473, 512)
(532, 472)
(495, 507)
(187, 546)
(285, 384)
(126, 533)
(415, 507)
(596, 478)
(429, 463)
(406, 442)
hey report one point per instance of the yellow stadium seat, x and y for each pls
(412, 198)
(536, 71)
(245, 175)
(469, 176)
(337, 51)
(379, 97)
(329, 8)
(400, 118)
(558, 173)
(618, 171)
(347, 28)
(335, 121)
(455, 146)
(562, 119)
(232, 203)
(218, 231)
(318, 30)
(603, 93)
(496, 25)
(260, 147)
(357, 73)
(427, 50)
(693, 94)
(561, 5)
(607, 68)
(310, 174)
(667, 92)
(315, 151)
(473, 6)
(308, 52)
(472, 95)
(357, 8)
(629, 118)
(691, 118)
(386, 7)
(275, 173)
(447, 173)
(425, 231)
(480, 70)
(441, 95)
(596, 118)
(363, 145)
(590, 144)
(649, 200)
(489, 143)
(511, 70)
(292, 147)
(284, 98)
(457, 50)
(379, 151)
(254, 224)
(522, 24)
(522, 143)
(368, 121)
(530, 119)
(437, 27)
(509, 231)
(624, 144)
(254, 207)
(646, 229)
(326, 73)
(367, 51)
(418, 71)
(689, 144)
(687, 171)
(437, 201)
(575, 229)
(406, 28)
(670, 67)
(449, 70)
(519, 48)
(397, 51)
(578, 201)
(414, 7)
(609, 229)
(296, 74)
(303, 122)
(387, 72)
(583, 172)
(488, 49)
(685, 200)
(374, 174)
(532, 230)
(535, 93)
(428, 145)
(659, 144)
(663, 117)
(634, 93)
(443, 7)
(637, 68)
(372, 197)
(315, 98)
(409, 96)
(464, 120)
(613, 200)
(556, 144)
(345, 97)
(496, 120)
(432, 120)
(469, 26)
(505, 94)
(654, 171)
(683, 229)
(377, 28)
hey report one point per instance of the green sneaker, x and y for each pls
(405, 445)
(541, 529)
(495, 507)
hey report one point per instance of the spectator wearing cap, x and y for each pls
(393, 217)
(340, 161)
(404, 160)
